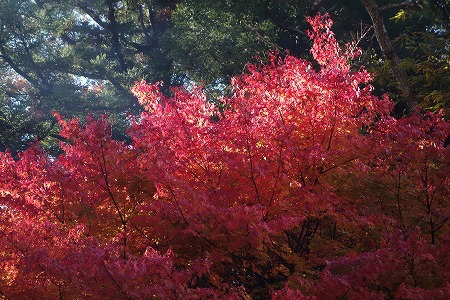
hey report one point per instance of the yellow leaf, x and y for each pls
(400, 16)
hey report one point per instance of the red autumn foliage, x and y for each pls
(304, 187)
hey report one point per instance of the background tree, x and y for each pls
(414, 39)
(78, 57)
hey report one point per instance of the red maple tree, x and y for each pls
(304, 186)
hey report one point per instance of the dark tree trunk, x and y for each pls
(389, 53)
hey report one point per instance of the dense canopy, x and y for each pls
(82, 56)
(299, 185)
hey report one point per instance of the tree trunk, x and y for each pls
(389, 53)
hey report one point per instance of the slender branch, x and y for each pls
(155, 243)
(399, 208)
(178, 205)
(284, 26)
(401, 5)
(438, 227)
(252, 177)
(429, 204)
(11, 241)
(411, 264)
(331, 135)
(47, 132)
(340, 164)
(116, 205)
(299, 240)
(66, 38)
(60, 292)
(280, 164)
(115, 282)
(445, 8)
(261, 37)
(3, 295)
(108, 186)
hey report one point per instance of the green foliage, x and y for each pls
(420, 35)
(77, 57)
(210, 42)
(430, 68)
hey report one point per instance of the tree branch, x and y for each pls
(316, 7)
(91, 13)
(252, 171)
(3, 295)
(145, 29)
(151, 16)
(401, 5)
(284, 26)
(108, 186)
(42, 89)
(112, 27)
(115, 282)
